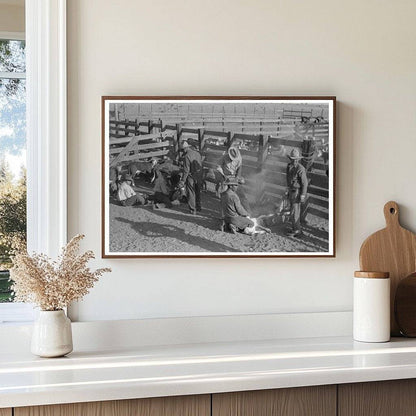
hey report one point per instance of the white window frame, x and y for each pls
(46, 127)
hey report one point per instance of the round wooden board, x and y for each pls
(405, 306)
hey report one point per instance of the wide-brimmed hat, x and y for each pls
(126, 177)
(231, 181)
(295, 154)
(233, 153)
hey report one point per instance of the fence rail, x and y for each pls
(137, 140)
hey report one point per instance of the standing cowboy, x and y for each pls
(230, 164)
(297, 186)
(192, 177)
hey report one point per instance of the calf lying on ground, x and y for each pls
(258, 226)
(280, 215)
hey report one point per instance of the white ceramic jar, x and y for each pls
(371, 305)
(52, 334)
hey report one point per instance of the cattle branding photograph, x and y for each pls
(215, 176)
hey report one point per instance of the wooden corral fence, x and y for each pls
(264, 155)
(133, 140)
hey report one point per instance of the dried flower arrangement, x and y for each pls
(53, 285)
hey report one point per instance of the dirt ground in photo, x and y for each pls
(141, 229)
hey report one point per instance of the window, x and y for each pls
(12, 153)
(45, 27)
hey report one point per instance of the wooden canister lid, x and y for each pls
(372, 275)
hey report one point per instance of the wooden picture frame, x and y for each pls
(142, 136)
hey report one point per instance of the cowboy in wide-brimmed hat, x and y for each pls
(229, 166)
(295, 154)
(184, 144)
(229, 181)
(127, 195)
(192, 177)
(234, 215)
(231, 163)
(125, 177)
(233, 153)
(297, 186)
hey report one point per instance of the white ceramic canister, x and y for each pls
(371, 313)
(52, 334)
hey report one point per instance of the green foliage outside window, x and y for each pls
(12, 223)
(12, 145)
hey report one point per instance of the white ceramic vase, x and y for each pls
(52, 334)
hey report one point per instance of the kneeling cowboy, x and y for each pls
(127, 195)
(235, 217)
(297, 186)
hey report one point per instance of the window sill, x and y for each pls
(16, 313)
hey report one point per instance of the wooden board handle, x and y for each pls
(391, 214)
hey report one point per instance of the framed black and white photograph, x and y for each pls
(218, 176)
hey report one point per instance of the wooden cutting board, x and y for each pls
(393, 250)
(405, 305)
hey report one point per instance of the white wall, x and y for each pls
(361, 51)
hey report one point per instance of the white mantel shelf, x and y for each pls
(151, 371)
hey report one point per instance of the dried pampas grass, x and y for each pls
(53, 285)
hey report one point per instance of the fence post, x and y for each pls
(178, 138)
(178, 131)
(175, 146)
(201, 139)
(262, 152)
(137, 127)
(149, 126)
(229, 139)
